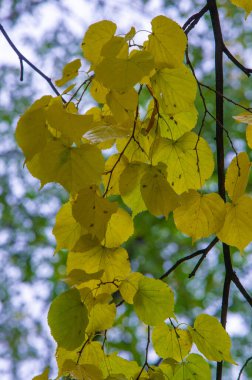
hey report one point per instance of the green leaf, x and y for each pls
(68, 319)
(194, 368)
(153, 301)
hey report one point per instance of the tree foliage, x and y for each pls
(157, 164)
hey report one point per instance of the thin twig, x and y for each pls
(194, 19)
(204, 255)
(243, 291)
(242, 368)
(146, 354)
(246, 70)
(22, 59)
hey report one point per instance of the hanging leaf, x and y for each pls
(128, 287)
(44, 375)
(101, 314)
(245, 4)
(120, 227)
(237, 176)
(70, 71)
(193, 368)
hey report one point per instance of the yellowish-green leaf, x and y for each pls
(167, 42)
(200, 215)
(70, 71)
(130, 34)
(237, 228)
(153, 301)
(171, 343)
(44, 375)
(113, 261)
(129, 286)
(129, 186)
(194, 368)
(81, 371)
(97, 35)
(120, 227)
(66, 230)
(115, 47)
(158, 195)
(189, 161)
(245, 4)
(101, 314)
(70, 125)
(93, 212)
(117, 164)
(32, 132)
(122, 105)
(249, 135)
(78, 276)
(237, 176)
(211, 338)
(68, 319)
(175, 89)
(73, 167)
(244, 117)
(98, 91)
(113, 364)
(122, 74)
(156, 373)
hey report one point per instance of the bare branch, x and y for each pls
(246, 70)
(242, 368)
(194, 19)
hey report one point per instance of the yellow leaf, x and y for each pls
(167, 50)
(113, 261)
(193, 368)
(113, 364)
(130, 34)
(157, 194)
(101, 314)
(97, 35)
(74, 168)
(78, 276)
(129, 186)
(175, 89)
(115, 47)
(153, 301)
(103, 132)
(44, 375)
(116, 163)
(237, 176)
(249, 135)
(122, 74)
(93, 212)
(70, 71)
(244, 117)
(71, 125)
(245, 4)
(237, 228)
(119, 228)
(32, 132)
(98, 91)
(189, 161)
(171, 343)
(122, 105)
(200, 215)
(211, 338)
(128, 287)
(66, 230)
(81, 371)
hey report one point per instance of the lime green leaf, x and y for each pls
(74, 168)
(97, 35)
(245, 4)
(171, 343)
(211, 338)
(71, 125)
(44, 375)
(157, 194)
(237, 176)
(153, 301)
(120, 227)
(93, 212)
(128, 287)
(189, 161)
(166, 50)
(175, 89)
(200, 215)
(113, 261)
(68, 319)
(70, 71)
(122, 74)
(66, 230)
(32, 132)
(194, 368)
(237, 228)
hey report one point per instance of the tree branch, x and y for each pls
(236, 281)
(246, 70)
(203, 256)
(194, 19)
(242, 368)
(23, 59)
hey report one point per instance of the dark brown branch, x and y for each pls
(242, 368)
(23, 59)
(203, 251)
(246, 70)
(203, 256)
(146, 354)
(236, 281)
(194, 19)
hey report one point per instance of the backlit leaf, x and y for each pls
(237, 228)
(237, 176)
(122, 105)
(171, 343)
(249, 135)
(211, 338)
(193, 368)
(44, 375)
(120, 227)
(153, 301)
(189, 161)
(101, 314)
(245, 4)
(70, 71)
(128, 287)
(117, 163)
(68, 319)
(113, 364)
(166, 50)
(200, 215)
